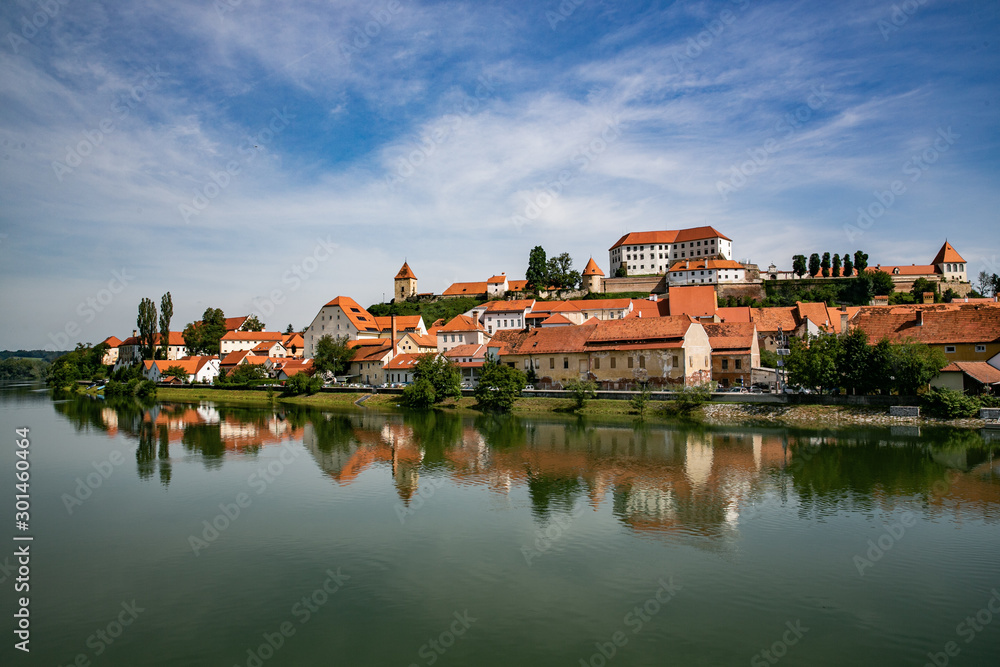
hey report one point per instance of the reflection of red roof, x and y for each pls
(669, 236)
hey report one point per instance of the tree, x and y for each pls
(860, 261)
(921, 285)
(848, 266)
(768, 359)
(882, 283)
(203, 337)
(949, 295)
(333, 355)
(825, 264)
(799, 265)
(687, 399)
(289, 329)
(836, 265)
(914, 365)
(178, 372)
(813, 364)
(434, 380)
(253, 324)
(561, 274)
(166, 313)
(814, 264)
(246, 374)
(983, 282)
(994, 285)
(621, 271)
(498, 386)
(580, 391)
(300, 383)
(146, 322)
(537, 274)
(640, 400)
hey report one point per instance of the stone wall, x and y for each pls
(650, 284)
(754, 291)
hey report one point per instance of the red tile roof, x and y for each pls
(474, 351)
(774, 319)
(466, 289)
(592, 269)
(111, 341)
(509, 306)
(911, 270)
(497, 280)
(405, 272)
(695, 264)
(974, 323)
(555, 340)
(556, 319)
(977, 370)
(373, 352)
(358, 316)
(237, 357)
(403, 362)
(647, 308)
(696, 300)
(732, 336)
(462, 323)
(404, 323)
(669, 236)
(234, 323)
(555, 307)
(947, 254)
(601, 304)
(274, 336)
(517, 285)
(641, 330)
(734, 313)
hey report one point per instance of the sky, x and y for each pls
(266, 157)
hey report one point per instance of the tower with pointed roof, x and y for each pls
(405, 284)
(593, 277)
(950, 264)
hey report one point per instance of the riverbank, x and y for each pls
(814, 416)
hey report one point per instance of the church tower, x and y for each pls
(405, 284)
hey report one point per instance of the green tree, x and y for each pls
(848, 266)
(537, 274)
(949, 403)
(146, 322)
(203, 337)
(814, 364)
(799, 265)
(166, 313)
(768, 359)
(882, 283)
(814, 264)
(914, 365)
(434, 380)
(983, 282)
(621, 271)
(253, 324)
(640, 400)
(178, 372)
(561, 274)
(498, 386)
(300, 383)
(825, 264)
(247, 374)
(688, 399)
(921, 285)
(860, 261)
(836, 266)
(289, 329)
(580, 391)
(333, 355)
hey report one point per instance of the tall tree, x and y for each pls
(253, 324)
(146, 322)
(166, 313)
(825, 264)
(799, 265)
(537, 274)
(995, 284)
(860, 261)
(814, 264)
(835, 271)
(203, 337)
(333, 354)
(561, 273)
(983, 282)
(289, 329)
(848, 266)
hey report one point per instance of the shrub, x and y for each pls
(300, 383)
(640, 400)
(688, 399)
(949, 403)
(499, 386)
(580, 392)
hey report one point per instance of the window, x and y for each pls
(613, 362)
(725, 364)
(565, 362)
(949, 349)
(552, 362)
(675, 360)
(737, 364)
(980, 348)
(630, 362)
(597, 364)
(642, 361)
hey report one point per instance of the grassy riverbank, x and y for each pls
(817, 416)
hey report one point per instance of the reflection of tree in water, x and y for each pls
(550, 493)
(145, 452)
(331, 432)
(502, 431)
(435, 432)
(164, 463)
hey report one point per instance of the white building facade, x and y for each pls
(649, 253)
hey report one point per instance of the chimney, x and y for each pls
(920, 317)
(392, 320)
(135, 332)
(928, 297)
(843, 322)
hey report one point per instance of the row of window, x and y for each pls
(613, 361)
(950, 349)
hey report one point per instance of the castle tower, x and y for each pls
(405, 284)
(593, 277)
(950, 264)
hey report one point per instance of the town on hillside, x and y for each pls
(690, 315)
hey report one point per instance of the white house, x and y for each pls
(237, 341)
(200, 370)
(338, 318)
(499, 315)
(706, 272)
(130, 350)
(462, 330)
(654, 252)
(400, 368)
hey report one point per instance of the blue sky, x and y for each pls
(270, 156)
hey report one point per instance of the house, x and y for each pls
(413, 343)
(234, 341)
(470, 360)
(603, 309)
(457, 290)
(971, 377)
(735, 351)
(369, 361)
(130, 349)
(964, 332)
(493, 288)
(200, 369)
(274, 349)
(340, 317)
(499, 315)
(542, 310)
(461, 330)
(289, 367)
(402, 323)
(399, 369)
(706, 272)
(947, 266)
(236, 358)
(654, 252)
(294, 345)
(110, 357)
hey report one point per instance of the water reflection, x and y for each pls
(701, 482)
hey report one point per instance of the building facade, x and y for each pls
(654, 252)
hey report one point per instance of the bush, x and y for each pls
(640, 400)
(949, 404)
(580, 391)
(300, 383)
(499, 386)
(688, 399)
(420, 394)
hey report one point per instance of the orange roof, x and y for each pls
(641, 330)
(734, 313)
(647, 308)
(555, 307)
(601, 304)
(405, 272)
(974, 323)
(370, 342)
(556, 318)
(462, 323)
(947, 254)
(730, 336)
(403, 362)
(977, 370)
(697, 300)
(235, 358)
(273, 336)
(816, 312)
(472, 350)
(592, 269)
(507, 339)
(265, 346)
(911, 270)
(509, 306)
(293, 340)
(404, 323)
(555, 340)
(517, 285)
(695, 264)
(373, 352)
(669, 236)
(111, 341)
(234, 323)
(466, 289)
(359, 317)
(497, 280)
(774, 319)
